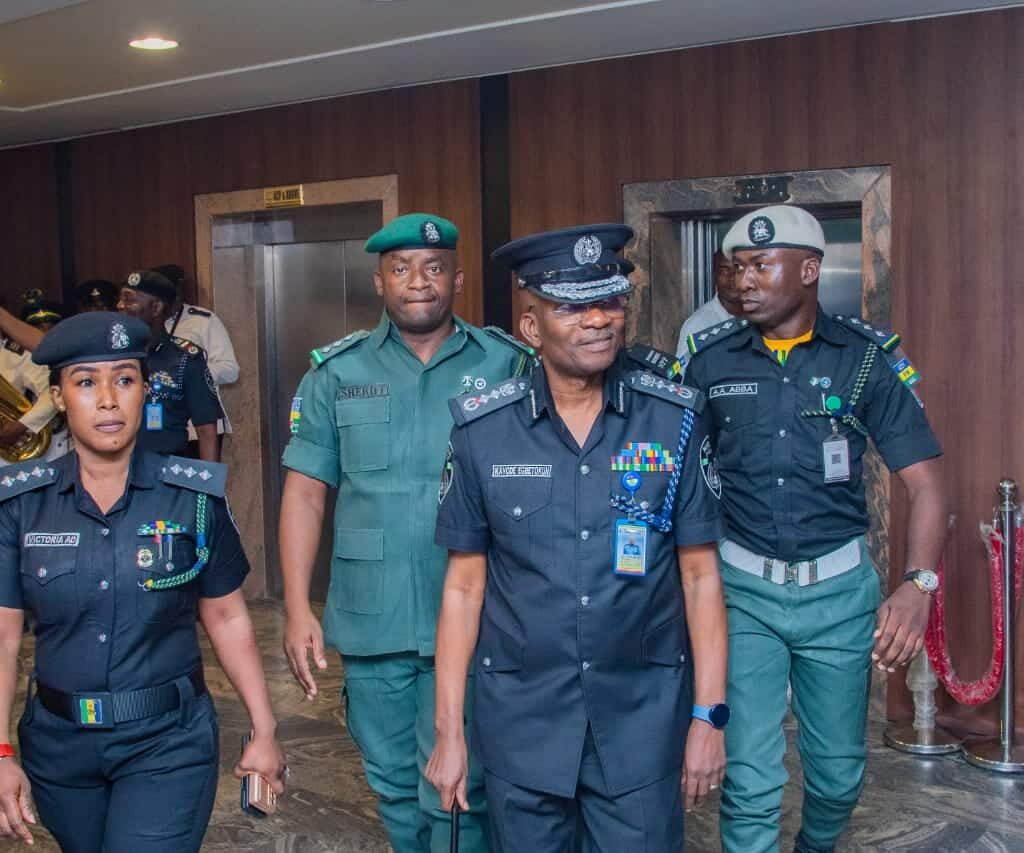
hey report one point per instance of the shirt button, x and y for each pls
(728, 419)
(584, 469)
(781, 481)
(785, 379)
(682, 658)
(644, 505)
(517, 512)
(782, 433)
(584, 535)
(104, 585)
(586, 665)
(105, 531)
(585, 600)
(41, 572)
(487, 661)
(102, 638)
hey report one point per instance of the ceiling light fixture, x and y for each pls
(153, 43)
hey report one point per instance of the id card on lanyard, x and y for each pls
(630, 551)
(154, 417)
(836, 456)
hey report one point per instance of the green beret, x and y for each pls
(414, 231)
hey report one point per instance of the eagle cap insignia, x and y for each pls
(587, 249)
(430, 232)
(135, 279)
(761, 230)
(118, 336)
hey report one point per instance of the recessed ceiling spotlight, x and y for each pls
(153, 43)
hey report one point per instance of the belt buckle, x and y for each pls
(93, 710)
(792, 573)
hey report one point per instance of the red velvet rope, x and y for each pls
(985, 688)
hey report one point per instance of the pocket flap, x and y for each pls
(520, 498)
(498, 652)
(664, 645)
(44, 572)
(352, 544)
(372, 410)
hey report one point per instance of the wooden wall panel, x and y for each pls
(941, 101)
(28, 223)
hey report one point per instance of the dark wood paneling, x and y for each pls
(28, 222)
(939, 100)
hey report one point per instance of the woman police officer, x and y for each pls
(117, 551)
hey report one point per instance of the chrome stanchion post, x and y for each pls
(922, 736)
(1002, 754)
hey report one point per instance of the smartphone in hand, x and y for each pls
(258, 798)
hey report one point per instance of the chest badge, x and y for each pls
(163, 533)
(144, 559)
(824, 382)
(645, 456)
(473, 383)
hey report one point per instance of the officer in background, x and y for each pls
(576, 516)
(96, 294)
(41, 313)
(371, 419)
(723, 305)
(33, 382)
(795, 395)
(181, 388)
(117, 553)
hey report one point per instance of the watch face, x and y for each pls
(718, 715)
(929, 580)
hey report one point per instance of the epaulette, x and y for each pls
(469, 407)
(322, 354)
(886, 340)
(198, 312)
(660, 363)
(527, 354)
(682, 395)
(186, 345)
(701, 340)
(14, 347)
(195, 474)
(18, 479)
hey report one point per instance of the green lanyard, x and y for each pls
(202, 553)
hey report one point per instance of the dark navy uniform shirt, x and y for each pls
(79, 571)
(180, 383)
(564, 641)
(770, 456)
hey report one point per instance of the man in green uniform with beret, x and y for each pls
(371, 419)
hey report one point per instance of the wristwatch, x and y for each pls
(717, 716)
(924, 579)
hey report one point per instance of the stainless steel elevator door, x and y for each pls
(315, 293)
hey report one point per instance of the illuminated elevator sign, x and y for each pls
(283, 196)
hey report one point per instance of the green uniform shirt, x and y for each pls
(373, 421)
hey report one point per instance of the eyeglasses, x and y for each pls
(573, 312)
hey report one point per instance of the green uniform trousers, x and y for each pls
(389, 711)
(818, 639)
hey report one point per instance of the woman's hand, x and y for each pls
(263, 755)
(15, 801)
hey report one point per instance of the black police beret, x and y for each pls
(93, 336)
(153, 283)
(97, 292)
(579, 264)
(172, 272)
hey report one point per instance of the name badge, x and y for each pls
(154, 416)
(630, 555)
(836, 451)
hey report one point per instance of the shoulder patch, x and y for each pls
(701, 340)
(198, 312)
(16, 348)
(322, 354)
(18, 479)
(194, 474)
(469, 407)
(682, 395)
(886, 340)
(186, 345)
(527, 354)
(660, 363)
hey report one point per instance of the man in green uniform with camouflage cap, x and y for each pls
(371, 419)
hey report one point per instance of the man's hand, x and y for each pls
(15, 802)
(448, 769)
(704, 764)
(12, 432)
(263, 755)
(902, 620)
(302, 634)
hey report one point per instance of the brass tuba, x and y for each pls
(13, 405)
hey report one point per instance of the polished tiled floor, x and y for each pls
(909, 804)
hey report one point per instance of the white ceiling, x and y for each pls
(67, 69)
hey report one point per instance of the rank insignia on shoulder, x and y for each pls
(186, 345)
(527, 354)
(322, 354)
(18, 479)
(14, 347)
(886, 340)
(199, 476)
(701, 340)
(198, 312)
(660, 363)
(469, 407)
(682, 395)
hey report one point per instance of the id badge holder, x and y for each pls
(154, 416)
(630, 548)
(836, 455)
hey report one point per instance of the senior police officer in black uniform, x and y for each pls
(576, 516)
(117, 552)
(795, 394)
(181, 388)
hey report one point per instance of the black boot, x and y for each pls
(803, 846)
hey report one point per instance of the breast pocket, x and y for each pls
(733, 415)
(517, 510)
(810, 453)
(357, 570)
(49, 581)
(153, 563)
(364, 433)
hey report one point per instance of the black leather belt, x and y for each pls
(98, 710)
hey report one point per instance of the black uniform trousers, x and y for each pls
(647, 820)
(146, 785)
